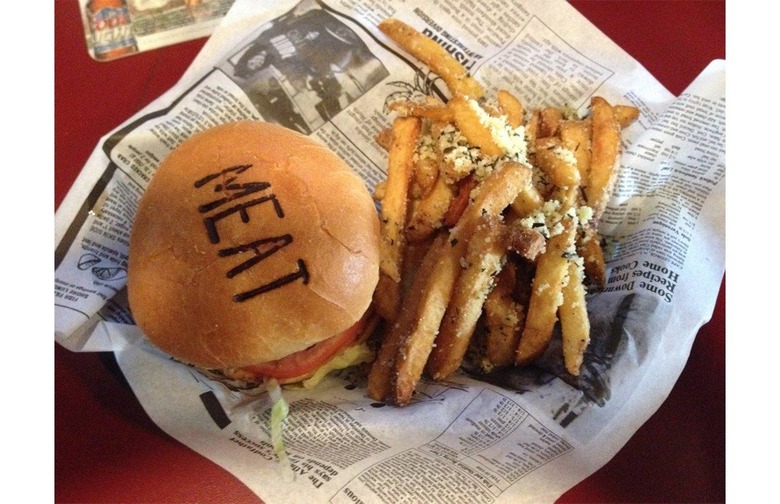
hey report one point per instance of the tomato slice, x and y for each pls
(460, 202)
(304, 362)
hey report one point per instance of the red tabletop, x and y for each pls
(108, 450)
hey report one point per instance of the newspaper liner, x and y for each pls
(528, 438)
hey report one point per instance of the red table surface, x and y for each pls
(108, 450)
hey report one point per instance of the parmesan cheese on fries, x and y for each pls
(487, 186)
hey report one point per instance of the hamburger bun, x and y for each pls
(251, 242)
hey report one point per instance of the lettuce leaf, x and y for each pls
(279, 412)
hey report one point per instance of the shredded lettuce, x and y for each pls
(279, 412)
(350, 356)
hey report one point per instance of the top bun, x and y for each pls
(252, 242)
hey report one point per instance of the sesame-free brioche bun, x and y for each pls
(251, 242)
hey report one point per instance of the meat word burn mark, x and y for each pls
(240, 197)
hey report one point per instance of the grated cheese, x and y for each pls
(510, 140)
(564, 154)
(547, 219)
(462, 157)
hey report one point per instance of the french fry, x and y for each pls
(605, 155)
(512, 107)
(469, 123)
(498, 351)
(575, 325)
(491, 109)
(575, 136)
(387, 297)
(427, 307)
(589, 248)
(557, 162)
(435, 111)
(503, 319)
(379, 190)
(394, 207)
(493, 195)
(523, 285)
(428, 213)
(528, 200)
(385, 138)
(396, 195)
(459, 202)
(424, 175)
(569, 196)
(432, 54)
(414, 253)
(526, 243)
(484, 259)
(550, 119)
(446, 140)
(532, 128)
(550, 278)
(380, 381)
(625, 115)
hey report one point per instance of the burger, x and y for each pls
(254, 254)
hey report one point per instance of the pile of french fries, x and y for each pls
(489, 219)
